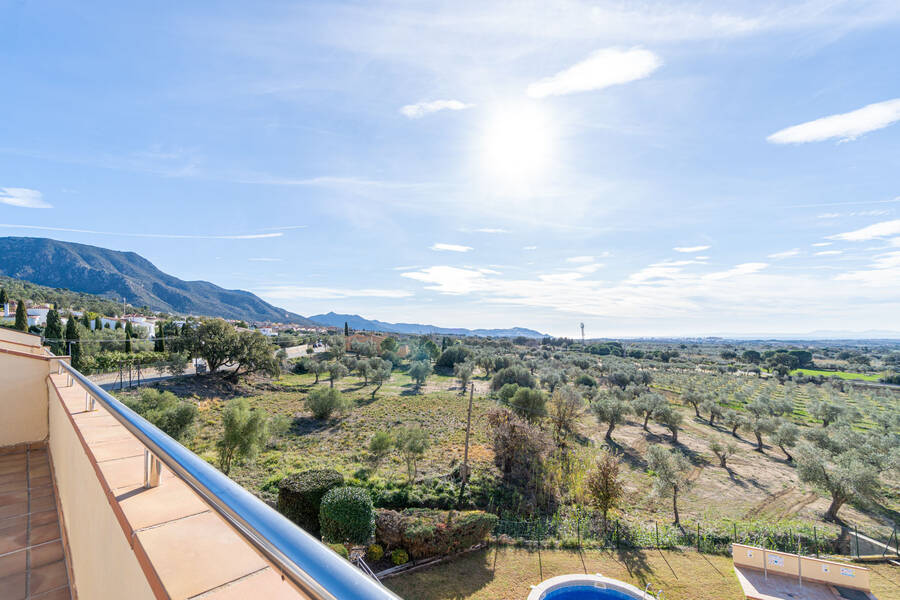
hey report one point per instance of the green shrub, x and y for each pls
(323, 402)
(341, 550)
(426, 533)
(518, 375)
(374, 552)
(347, 515)
(166, 411)
(399, 557)
(300, 496)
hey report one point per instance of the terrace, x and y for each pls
(95, 502)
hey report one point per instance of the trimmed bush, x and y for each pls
(399, 557)
(374, 552)
(300, 496)
(427, 533)
(347, 515)
(341, 550)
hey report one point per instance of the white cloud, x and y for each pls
(822, 244)
(580, 259)
(829, 253)
(265, 259)
(23, 198)
(529, 248)
(844, 127)
(490, 230)
(296, 292)
(420, 109)
(878, 230)
(589, 268)
(603, 68)
(691, 249)
(171, 236)
(450, 248)
(785, 254)
(449, 280)
(884, 271)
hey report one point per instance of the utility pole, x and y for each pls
(465, 466)
(582, 334)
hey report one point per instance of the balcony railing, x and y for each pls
(310, 565)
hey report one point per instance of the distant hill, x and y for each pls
(64, 299)
(357, 322)
(116, 275)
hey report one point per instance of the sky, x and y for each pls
(647, 168)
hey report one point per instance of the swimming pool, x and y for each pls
(586, 587)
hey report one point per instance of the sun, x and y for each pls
(517, 145)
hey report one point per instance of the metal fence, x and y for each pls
(711, 539)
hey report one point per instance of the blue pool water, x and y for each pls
(586, 592)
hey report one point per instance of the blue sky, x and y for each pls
(648, 168)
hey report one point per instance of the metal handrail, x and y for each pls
(311, 565)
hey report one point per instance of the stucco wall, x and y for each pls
(23, 399)
(103, 564)
(811, 569)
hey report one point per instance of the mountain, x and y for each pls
(357, 322)
(128, 275)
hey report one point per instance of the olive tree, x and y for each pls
(380, 372)
(566, 409)
(669, 417)
(723, 451)
(529, 403)
(785, 436)
(670, 470)
(244, 432)
(611, 408)
(647, 404)
(604, 483)
(463, 372)
(419, 371)
(412, 442)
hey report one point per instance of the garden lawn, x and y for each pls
(506, 573)
(840, 374)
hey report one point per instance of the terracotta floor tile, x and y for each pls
(12, 563)
(60, 594)
(265, 584)
(39, 482)
(13, 486)
(40, 492)
(12, 510)
(198, 553)
(13, 535)
(43, 533)
(13, 497)
(45, 554)
(43, 517)
(12, 469)
(170, 500)
(13, 587)
(44, 503)
(14, 478)
(48, 577)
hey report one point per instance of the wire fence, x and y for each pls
(711, 539)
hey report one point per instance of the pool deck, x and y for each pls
(780, 587)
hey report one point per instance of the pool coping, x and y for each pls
(597, 580)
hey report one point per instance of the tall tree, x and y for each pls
(4, 298)
(98, 323)
(53, 332)
(605, 484)
(73, 341)
(647, 404)
(346, 329)
(21, 316)
(670, 469)
(611, 408)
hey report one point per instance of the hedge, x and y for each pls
(347, 515)
(426, 533)
(300, 496)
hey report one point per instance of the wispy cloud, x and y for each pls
(878, 230)
(690, 249)
(580, 259)
(23, 198)
(450, 248)
(296, 292)
(844, 127)
(529, 248)
(829, 253)
(785, 254)
(173, 236)
(603, 68)
(884, 272)
(265, 259)
(488, 230)
(420, 109)
(822, 244)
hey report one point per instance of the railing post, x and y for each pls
(152, 469)
(89, 403)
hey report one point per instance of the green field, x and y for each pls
(840, 374)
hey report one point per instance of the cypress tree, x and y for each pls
(53, 332)
(72, 341)
(4, 298)
(158, 345)
(118, 324)
(346, 329)
(21, 316)
(86, 320)
(98, 323)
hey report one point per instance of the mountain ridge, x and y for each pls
(117, 274)
(333, 319)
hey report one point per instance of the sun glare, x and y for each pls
(517, 146)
